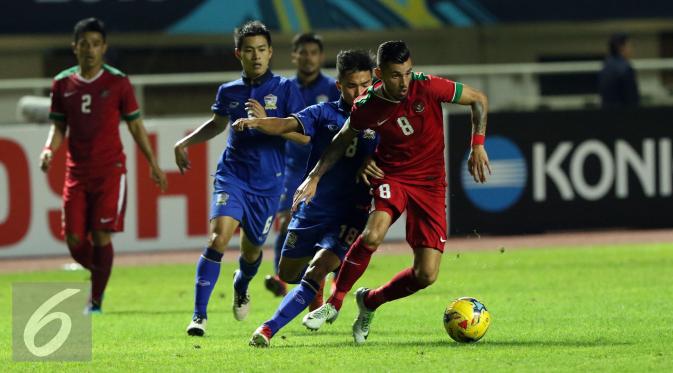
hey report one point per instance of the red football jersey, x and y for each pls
(411, 131)
(91, 110)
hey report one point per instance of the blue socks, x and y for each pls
(280, 241)
(246, 272)
(293, 304)
(207, 272)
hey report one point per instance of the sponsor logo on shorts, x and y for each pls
(106, 220)
(442, 239)
(222, 199)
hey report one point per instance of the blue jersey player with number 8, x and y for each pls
(321, 231)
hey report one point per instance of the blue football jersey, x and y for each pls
(252, 160)
(339, 190)
(323, 89)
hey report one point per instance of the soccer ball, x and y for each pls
(466, 320)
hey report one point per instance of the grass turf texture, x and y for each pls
(589, 309)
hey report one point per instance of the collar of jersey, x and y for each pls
(259, 80)
(342, 106)
(82, 79)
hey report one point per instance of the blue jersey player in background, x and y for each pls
(321, 230)
(248, 181)
(315, 87)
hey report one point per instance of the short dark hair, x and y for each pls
(353, 60)
(394, 51)
(616, 43)
(88, 25)
(251, 28)
(306, 38)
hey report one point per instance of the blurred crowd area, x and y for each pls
(493, 45)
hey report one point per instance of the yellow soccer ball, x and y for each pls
(466, 320)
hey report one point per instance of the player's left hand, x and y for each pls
(159, 177)
(254, 109)
(369, 169)
(477, 163)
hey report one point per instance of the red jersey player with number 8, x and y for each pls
(404, 108)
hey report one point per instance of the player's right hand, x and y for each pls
(242, 123)
(45, 159)
(181, 158)
(305, 192)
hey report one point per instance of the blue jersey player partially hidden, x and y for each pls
(248, 181)
(315, 88)
(322, 229)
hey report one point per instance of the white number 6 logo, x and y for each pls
(40, 318)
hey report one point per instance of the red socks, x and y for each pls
(354, 265)
(402, 285)
(100, 273)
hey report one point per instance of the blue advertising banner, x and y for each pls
(564, 171)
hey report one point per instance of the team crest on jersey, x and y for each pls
(332, 127)
(321, 98)
(291, 239)
(369, 134)
(233, 104)
(418, 106)
(104, 93)
(222, 199)
(270, 102)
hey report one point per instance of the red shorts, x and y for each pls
(425, 206)
(94, 201)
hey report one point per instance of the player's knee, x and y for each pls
(291, 276)
(72, 240)
(372, 238)
(217, 242)
(316, 272)
(425, 278)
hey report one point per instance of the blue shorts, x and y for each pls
(293, 178)
(254, 212)
(305, 237)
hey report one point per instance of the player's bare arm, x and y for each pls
(54, 140)
(137, 129)
(477, 162)
(213, 127)
(332, 154)
(284, 127)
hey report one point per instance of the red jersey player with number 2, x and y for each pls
(88, 100)
(404, 108)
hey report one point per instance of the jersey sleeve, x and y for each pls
(221, 104)
(294, 101)
(444, 90)
(358, 119)
(128, 104)
(309, 119)
(56, 110)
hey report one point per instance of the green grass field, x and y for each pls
(590, 309)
